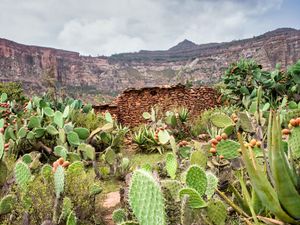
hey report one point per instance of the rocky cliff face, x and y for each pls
(110, 75)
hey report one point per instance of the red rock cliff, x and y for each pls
(111, 75)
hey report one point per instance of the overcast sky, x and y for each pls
(104, 27)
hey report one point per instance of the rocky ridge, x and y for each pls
(201, 64)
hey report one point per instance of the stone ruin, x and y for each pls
(130, 105)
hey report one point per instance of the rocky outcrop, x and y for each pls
(111, 75)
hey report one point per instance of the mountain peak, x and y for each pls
(185, 44)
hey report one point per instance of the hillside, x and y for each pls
(203, 63)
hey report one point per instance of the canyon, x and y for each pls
(187, 61)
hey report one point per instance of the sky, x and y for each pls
(105, 27)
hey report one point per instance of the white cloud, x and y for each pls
(112, 26)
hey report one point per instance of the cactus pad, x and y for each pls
(174, 187)
(146, 199)
(61, 151)
(163, 136)
(66, 208)
(294, 142)
(22, 174)
(221, 120)
(71, 219)
(216, 212)
(212, 184)
(229, 129)
(51, 130)
(199, 158)
(110, 156)
(26, 158)
(59, 181)
(195, 200)
(73, 138)
(48, 111)
(119, 216)
(46, 172)
(196, 179)
(186, 212)
(125, 163)
(34, 122)
(73, 157)
(245, 122)
(75, 168)
(82, 132)
(95, 189)
(171, 165)
(22, 132)
(62, 136)
(7, 204)
(228, 149)
(58, 119)
(88, 151)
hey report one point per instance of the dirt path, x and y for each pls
(110, 203)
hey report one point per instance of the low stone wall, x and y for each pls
(130, 105)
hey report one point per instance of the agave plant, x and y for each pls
(278, 190)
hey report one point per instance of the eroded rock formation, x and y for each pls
(111, 75)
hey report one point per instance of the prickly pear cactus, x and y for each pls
(171, 165)
(82, 132)
(173, 186)
(228, 149)
(119, 216)
(220, 120)
(58, 119)
(146, 199)
(229, 129)
(195, 200)
(95, 189)
(61, 151)
(110, 156)
(199, 158)
(51, 130)
(71, 219)
(7, 204)
(73, 138)
(46, 172)
(212, 184)
(75, 168)
(125, 163)
(246, 122)
(26, 158)
(163, 136)
(59, 181)
(186, 213)
(196, 179)
(67, 207)
(216, 212)
(294, 142)
(22, 174)
(88, 151)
